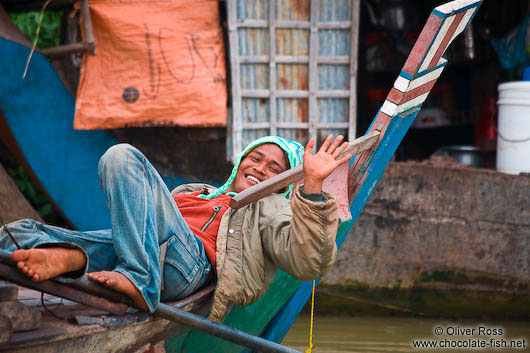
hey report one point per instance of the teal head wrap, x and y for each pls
(293, 150)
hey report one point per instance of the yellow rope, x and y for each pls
(311, 325)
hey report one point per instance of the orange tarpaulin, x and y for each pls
(157, 63)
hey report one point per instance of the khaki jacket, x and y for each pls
(252, 242)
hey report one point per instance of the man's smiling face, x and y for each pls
(261, 163)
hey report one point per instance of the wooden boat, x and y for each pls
(66, 326)
(272, 315)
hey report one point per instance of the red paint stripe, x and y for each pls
(395, 96)
(422, 44)
(447, 39)
(354, 181)
(398, 97)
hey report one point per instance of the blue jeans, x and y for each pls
(149, 240)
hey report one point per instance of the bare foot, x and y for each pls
(42, 264)
(120, 283)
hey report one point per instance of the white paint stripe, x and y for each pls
(460, 27)
(404, 85)
(411, 103)
(455, 5)
(389, 108)
(436, 43)
(462, 24)
(420, 81)
(392, 109)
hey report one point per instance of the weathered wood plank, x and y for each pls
(272, 69)
(354, 61)
(13, 205)
(235, 127)
(22, 317)
(6, 329)
(8, 291)
(9, 31)
(313, 114)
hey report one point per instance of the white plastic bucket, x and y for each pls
(513, 138)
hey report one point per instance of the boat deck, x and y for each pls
(68, 326)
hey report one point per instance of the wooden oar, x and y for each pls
(290, 176)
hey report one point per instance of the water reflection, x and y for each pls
(378, 334)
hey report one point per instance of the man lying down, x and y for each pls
(163, 247)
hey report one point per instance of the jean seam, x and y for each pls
(144, 227)
(40, 227)
(99, 240)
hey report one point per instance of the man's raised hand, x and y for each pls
(320, 165)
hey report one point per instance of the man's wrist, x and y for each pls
(312, 186)
(315, 197)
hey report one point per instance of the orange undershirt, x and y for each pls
(203, 217)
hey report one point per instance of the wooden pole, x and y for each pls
(87, 24)
(68, 49)
(290, 176)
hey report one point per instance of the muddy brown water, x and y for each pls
(389, 334)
